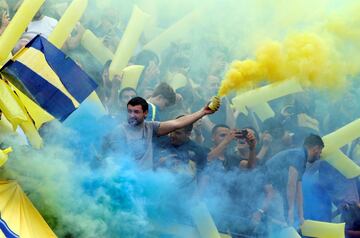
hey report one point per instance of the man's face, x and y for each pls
(127, 96)
(162, 103)
(220, 135)
(314, 153)
(136, 115)
(179, 137)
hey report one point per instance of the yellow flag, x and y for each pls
(131, 76)
(128, 41)
(323, 229)
(95, 46)
(67, 22)
(20, 215)
(10, 106)
(4, 155)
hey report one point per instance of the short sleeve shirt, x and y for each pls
(278, 166)
(135, 141)
(185, 152)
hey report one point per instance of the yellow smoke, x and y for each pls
(307, 57)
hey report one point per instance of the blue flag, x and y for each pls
(49, 78)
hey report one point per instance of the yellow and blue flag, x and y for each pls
(49, 78)
(18, 216)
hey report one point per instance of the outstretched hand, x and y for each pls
(212, 106)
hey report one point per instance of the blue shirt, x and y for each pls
(153, 112)
(280, 163)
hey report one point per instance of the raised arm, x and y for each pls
(168, 126)
(172, 125)
(219, 150)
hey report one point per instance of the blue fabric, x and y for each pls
(282, 161)
(151, 113)
(40, 90)
(75, 80)
(6, 230)
(50, 98)
(317, 203)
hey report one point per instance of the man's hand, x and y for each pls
(5, 20)
(79, 28)
(212, 106)
(232, 135)
(117, 80)
(251, 140)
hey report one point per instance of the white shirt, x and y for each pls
(44, 27)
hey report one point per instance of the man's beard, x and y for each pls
(313, 159)
(134, 122)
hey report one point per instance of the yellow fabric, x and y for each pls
(308, 122)
(5, 126)
(177, 80)
(95, 46)
(10, 106)
(16, 113)
(265, 94)
(39, 115)
(342, 163)
(35, 60)
(342, 136)
(128, 41)
(17, 26)
(4, 155)
(264, 111)
(323, 229)
(204, 222)
(131, 76)
(32, 134)
(67, 22)
(337, 139)
(20, 214)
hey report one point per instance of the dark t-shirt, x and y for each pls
(277, 168)
(184, 153)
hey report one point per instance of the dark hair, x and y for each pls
(166, 91)
(139, 101)
(274, 127)
(187, 128)
(313, 140)
(213, 131)
(126, 89)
